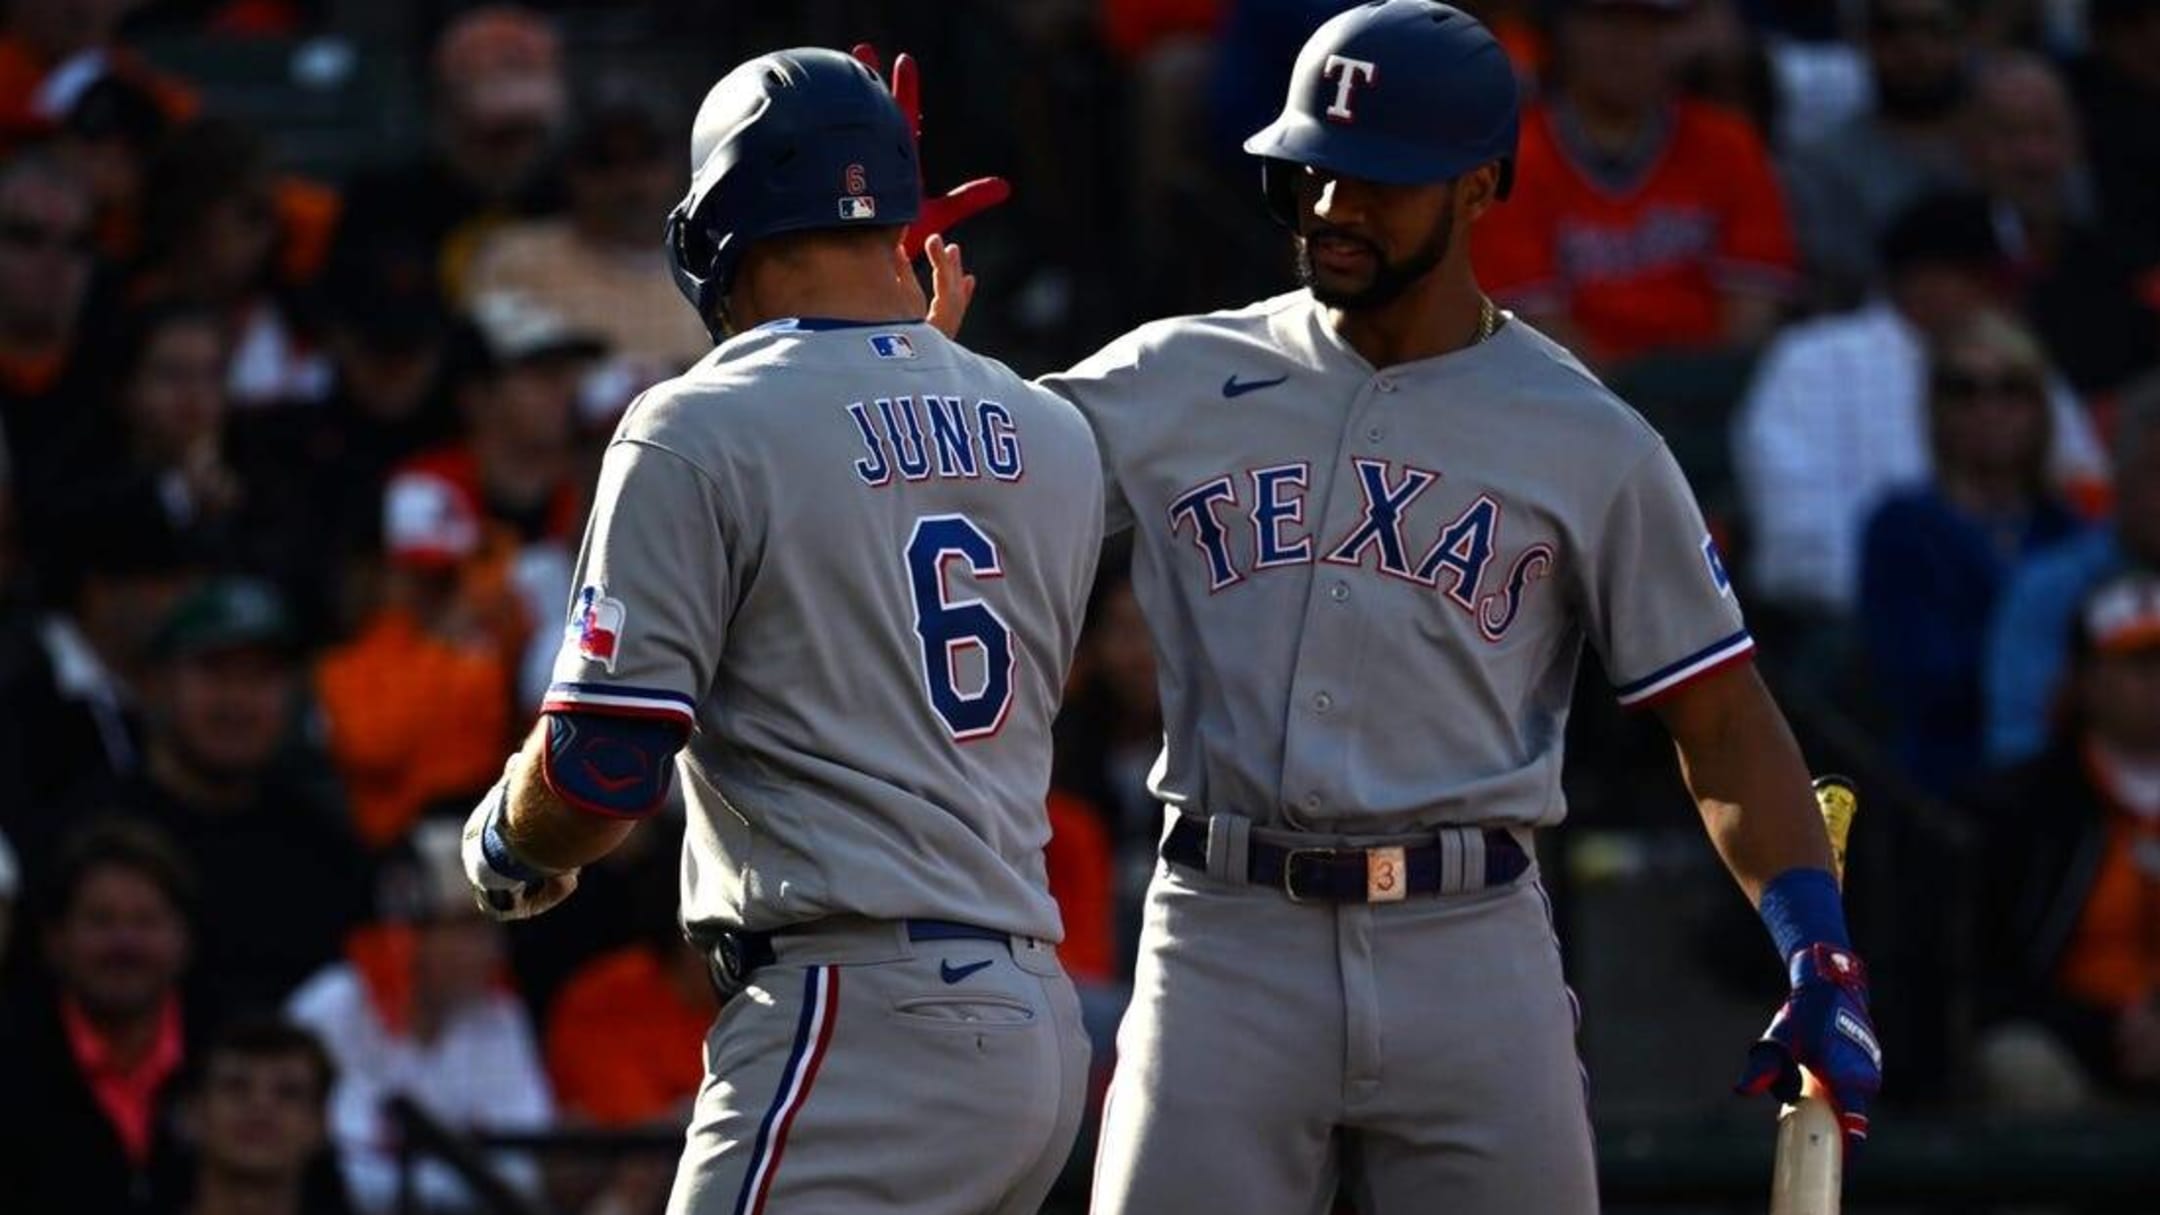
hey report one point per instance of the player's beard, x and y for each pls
(1389, 279)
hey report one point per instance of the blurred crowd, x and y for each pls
(294, 458)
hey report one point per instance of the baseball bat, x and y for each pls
(1809, 1176)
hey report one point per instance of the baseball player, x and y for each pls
(1375, 521)
(830, 588)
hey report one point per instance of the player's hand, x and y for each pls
(502, 886)
(940, 212)
(952, 288)
(1824, 1028)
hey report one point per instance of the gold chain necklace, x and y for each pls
(1488, 321)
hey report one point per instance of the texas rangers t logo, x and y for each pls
(1347, 75)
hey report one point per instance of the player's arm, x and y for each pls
(1747, 777)
(570, 796)
(644, 634)
(1663, 614)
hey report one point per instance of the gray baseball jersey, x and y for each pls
(1369, 590)
(855, 557)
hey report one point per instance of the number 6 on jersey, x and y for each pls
(949, 627)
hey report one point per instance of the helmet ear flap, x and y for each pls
(1278, 183)
(694, 260)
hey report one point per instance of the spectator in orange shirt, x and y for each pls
(1640, 221)
(625, 1046)
(624, 1034)
(518, 467)
(400, 754)
(1083, 880)
(2073, 845)
(92, 1056)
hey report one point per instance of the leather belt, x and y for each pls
(735, 956)
(1380, 874)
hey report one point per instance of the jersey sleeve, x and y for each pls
(654, 586)
(1660, 606)
(1101, 387)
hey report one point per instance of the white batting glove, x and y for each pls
(505, 886)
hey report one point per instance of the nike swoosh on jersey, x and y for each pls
(953, 974)
(1233, 388)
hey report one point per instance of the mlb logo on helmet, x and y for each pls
(857, 204)
(892, 346)
(597, 623)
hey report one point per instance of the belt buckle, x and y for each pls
(1289, 869)
(1387, 875)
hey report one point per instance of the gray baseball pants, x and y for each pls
(1419, 1052)
(867, 1072)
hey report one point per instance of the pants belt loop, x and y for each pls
(1450, 843)
(1229, 839)
(1473, 857)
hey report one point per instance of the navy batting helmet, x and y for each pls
(1402, 92)
(800, 139)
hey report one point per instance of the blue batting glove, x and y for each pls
(1824, 1028)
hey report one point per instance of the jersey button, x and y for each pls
(1312, 801)
(1339, 591)
(1375, 435)
(1384, 384)
(1322, 702)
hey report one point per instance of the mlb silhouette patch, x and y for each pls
(892, 346)
(597, 623)
(858, 207)
(1715, 561)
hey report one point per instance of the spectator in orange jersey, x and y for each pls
(1083, 880)
(518, 465)
(1640, 221)
(50, 44)
(400, 754)
(625, 1046)
(624, 1034)
(94, 1057)
(2073, 851)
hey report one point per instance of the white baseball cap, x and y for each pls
(517, 327)
(429, 522)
